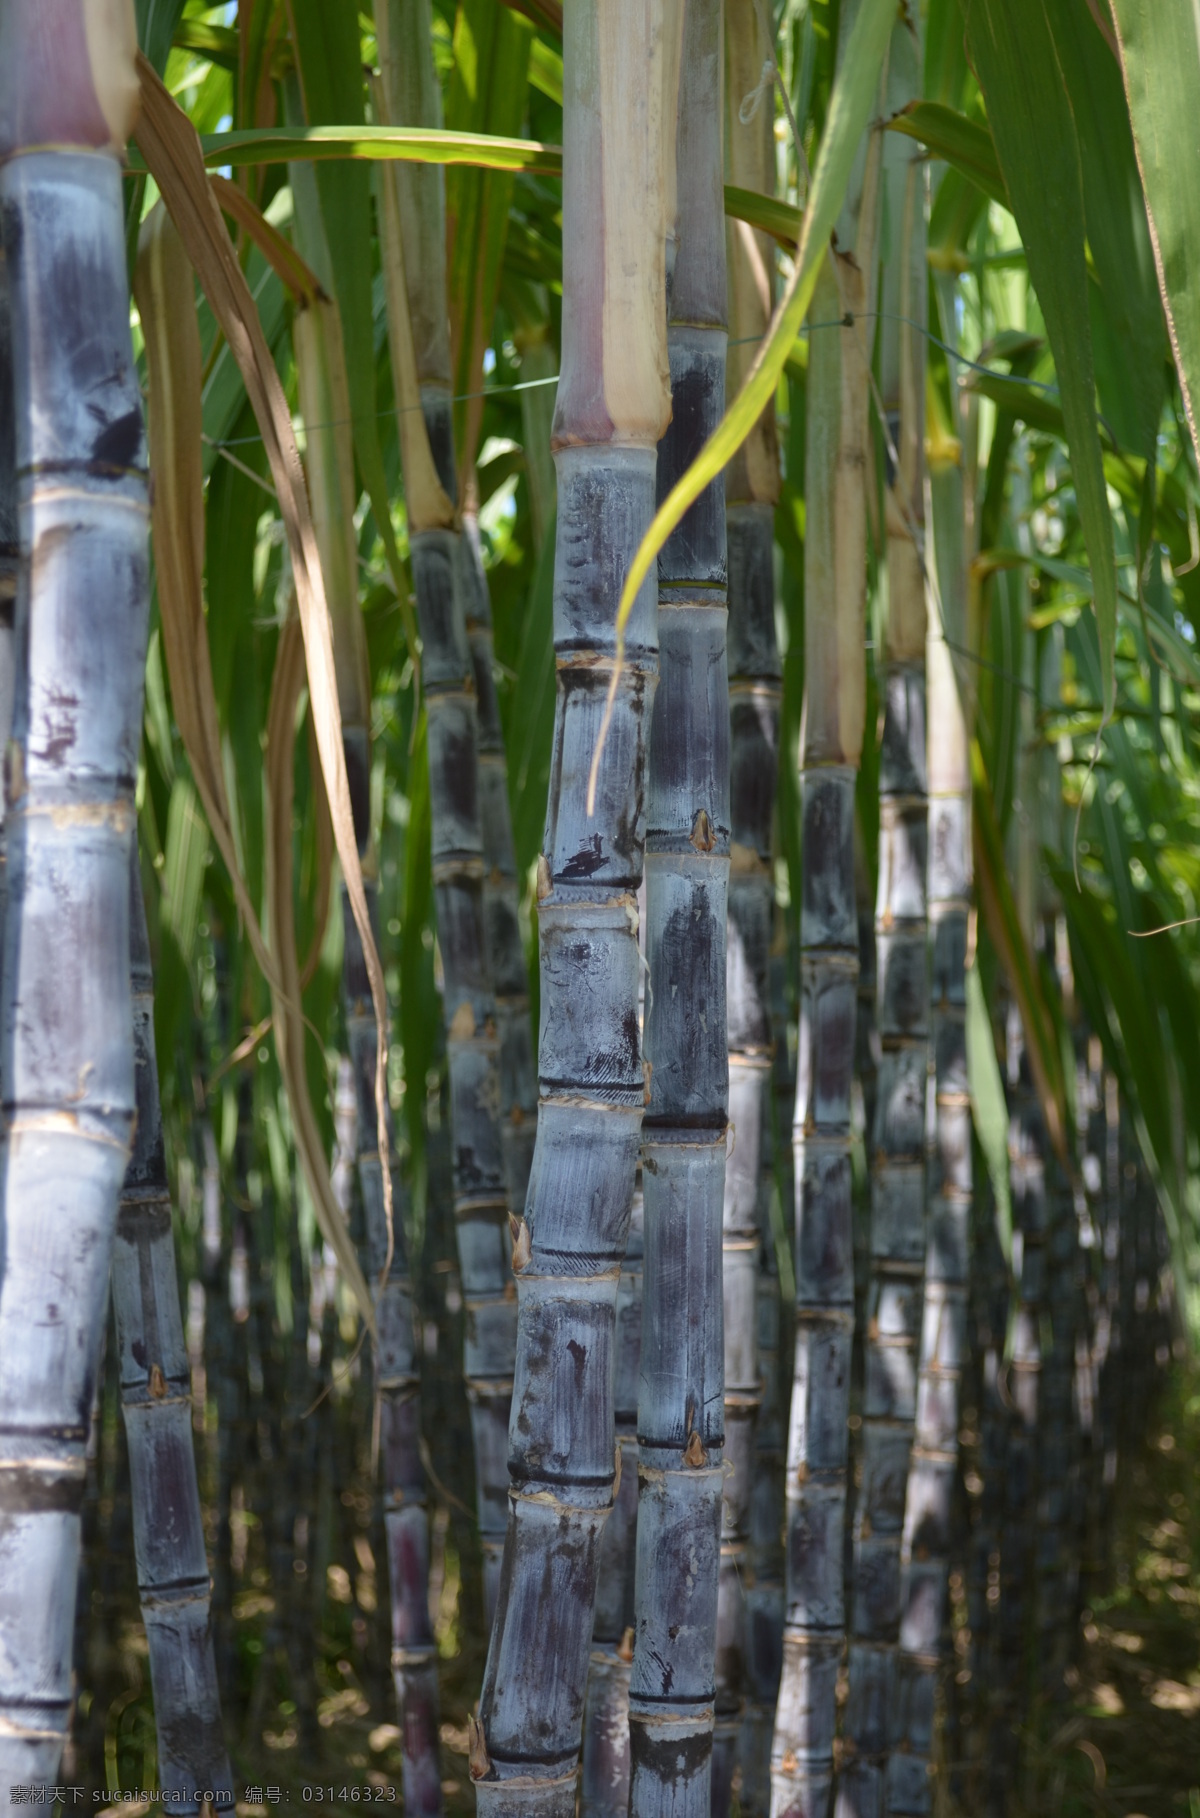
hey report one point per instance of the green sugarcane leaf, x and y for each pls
(1159, 47)
(1029, 403)
(487, 93)
(349, 143)
(1004, 924)
(850, 104)
(1012, 51)
(768, 213)
(989, 1108)
(156, 25)
(329, 65)
(965, 144)
(546, 70)
(1130, 337)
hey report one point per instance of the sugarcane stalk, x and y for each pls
(896, 1260)
(831, 747)
(613, 405)
(68, 99)
(329, 464)
(501, 885)
(412, 216)
(9, 550)
(927, 1537)
(168, 1530)
(604, 1782)
(681, 1414)
(755, 688)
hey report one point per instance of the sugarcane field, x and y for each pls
(600, 908)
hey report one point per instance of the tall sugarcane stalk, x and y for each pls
(929, 1509)
(613, 405)
(329, 462)
(835, 581)
(750, 1286)
(681, 1400)
(68, 99)
(896, 1259)
(168, 1529)
(501, 885)
(412, 225)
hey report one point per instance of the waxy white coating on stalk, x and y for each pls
(750, 1595)
(65, 1009)
(168, 1527)
(681, 1399)
(872, 1773)
(835, 577)
(613, 405)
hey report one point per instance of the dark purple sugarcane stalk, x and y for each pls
(65, 1010)
(168, 1529)
(750, 1284)
(613, 404)
(681, 1402)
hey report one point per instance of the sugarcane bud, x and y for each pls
(479, 1761)
(625, 1646)
(695, 1455)
(617, 1473)
(158, 1382)
(462, 1023)
(544, 881)
(14, 771)
(702, 836)
(522, 1243)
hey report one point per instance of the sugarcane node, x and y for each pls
(479, 1761)
(625, 1646)
(545, 882)
(462, 1023)
(695, 1455)
(702, 836)
(521, 1241)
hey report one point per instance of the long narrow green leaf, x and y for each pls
(329, 66)
(849, 111)
(409, 144)
(1159, 42)
(999, 905)
(966, 144)
(1131, 347)
(1012, 51)
(989, 1109)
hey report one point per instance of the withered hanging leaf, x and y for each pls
(172, 151)
(275, 248)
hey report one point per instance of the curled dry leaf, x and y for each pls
(172, 151)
